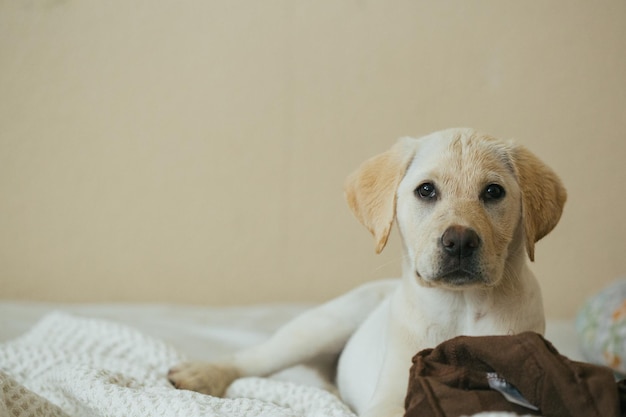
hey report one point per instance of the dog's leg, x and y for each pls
(391, 387)
(321, 330)
(388, 400)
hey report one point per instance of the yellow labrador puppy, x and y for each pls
(470, 209)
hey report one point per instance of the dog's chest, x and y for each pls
(392, 330)
(422, 327)
(401, 327)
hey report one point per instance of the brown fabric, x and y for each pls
(451, 380)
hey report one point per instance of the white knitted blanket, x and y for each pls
(69, 366)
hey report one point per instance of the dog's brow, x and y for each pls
(494, 177)
(505, 157)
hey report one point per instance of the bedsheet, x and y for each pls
(50, 353)
(196, 331)
(202, 332)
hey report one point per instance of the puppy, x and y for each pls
(469, 209)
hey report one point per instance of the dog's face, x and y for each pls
(459, 210)
(464, 202)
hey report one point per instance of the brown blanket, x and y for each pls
(454, 380)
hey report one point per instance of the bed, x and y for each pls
(111, 359)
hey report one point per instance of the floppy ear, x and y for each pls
(371, 189)
(543, 197)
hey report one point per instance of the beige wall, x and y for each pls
(194, 151)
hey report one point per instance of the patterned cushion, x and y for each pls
(601, 327)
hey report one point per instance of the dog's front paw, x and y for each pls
(206, 378)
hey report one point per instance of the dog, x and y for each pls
(469, 209)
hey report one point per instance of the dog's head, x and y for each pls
(464, 203)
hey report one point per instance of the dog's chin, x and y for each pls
(454, 280)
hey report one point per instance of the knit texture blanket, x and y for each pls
(68, 366)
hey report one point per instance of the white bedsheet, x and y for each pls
(205, 332)
(198, 332)
(187, 332)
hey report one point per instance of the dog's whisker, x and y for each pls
(394, 261)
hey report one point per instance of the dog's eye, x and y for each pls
(493, 192)
(426, 191)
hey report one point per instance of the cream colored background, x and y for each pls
(194, 151)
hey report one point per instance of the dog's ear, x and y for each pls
(371, 189)
(543, 196)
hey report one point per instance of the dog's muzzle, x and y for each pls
(459, 264)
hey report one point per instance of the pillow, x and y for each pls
(601, 327)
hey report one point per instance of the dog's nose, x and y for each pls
(459, 241)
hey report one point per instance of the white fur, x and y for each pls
(378, 327)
